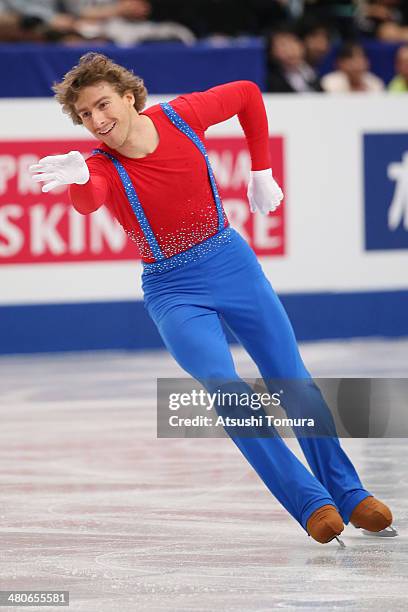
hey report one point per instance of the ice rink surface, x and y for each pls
(93, 503)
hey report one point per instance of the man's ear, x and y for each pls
(130, 97)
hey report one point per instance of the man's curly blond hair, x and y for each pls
(91, 69)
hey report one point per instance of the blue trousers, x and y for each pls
(186, 304)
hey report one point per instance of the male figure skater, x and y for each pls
(152, 170)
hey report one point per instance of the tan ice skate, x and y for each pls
(373, 517)
(325, 524)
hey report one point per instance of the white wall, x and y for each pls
(324, 214)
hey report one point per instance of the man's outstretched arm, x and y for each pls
(87, 192)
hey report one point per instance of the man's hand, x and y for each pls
(57, 170)
(264, 193)
(134, 9)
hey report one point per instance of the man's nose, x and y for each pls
(98, 118)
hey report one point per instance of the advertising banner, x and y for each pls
(386, 191)
(40, 228)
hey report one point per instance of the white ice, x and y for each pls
(93, 503)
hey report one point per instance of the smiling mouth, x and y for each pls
(108, 131)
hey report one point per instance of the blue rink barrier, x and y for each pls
(165, 67)
(126, 325)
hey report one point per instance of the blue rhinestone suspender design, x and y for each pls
(223, 236)
(189, 132)
(136, 205)
(193, 254)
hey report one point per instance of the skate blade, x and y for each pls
(340, 542)
(388, 532)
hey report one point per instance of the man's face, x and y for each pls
(106, 114)
(354, 66)
(317, 44)
(287, 50)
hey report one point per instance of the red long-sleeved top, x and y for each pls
(172, 182)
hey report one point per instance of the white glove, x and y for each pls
(57, 170)
(264, 193)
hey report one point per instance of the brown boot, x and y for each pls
(371, 514)
(325, 524)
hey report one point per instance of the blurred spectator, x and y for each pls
(383, 19)
(352, 72)
(39, 15)
(399, 83)
(43, 20)
(288, 71)
(100, 10)
(125, 22)
(316, 39)
(72, 21)
(9, 23)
